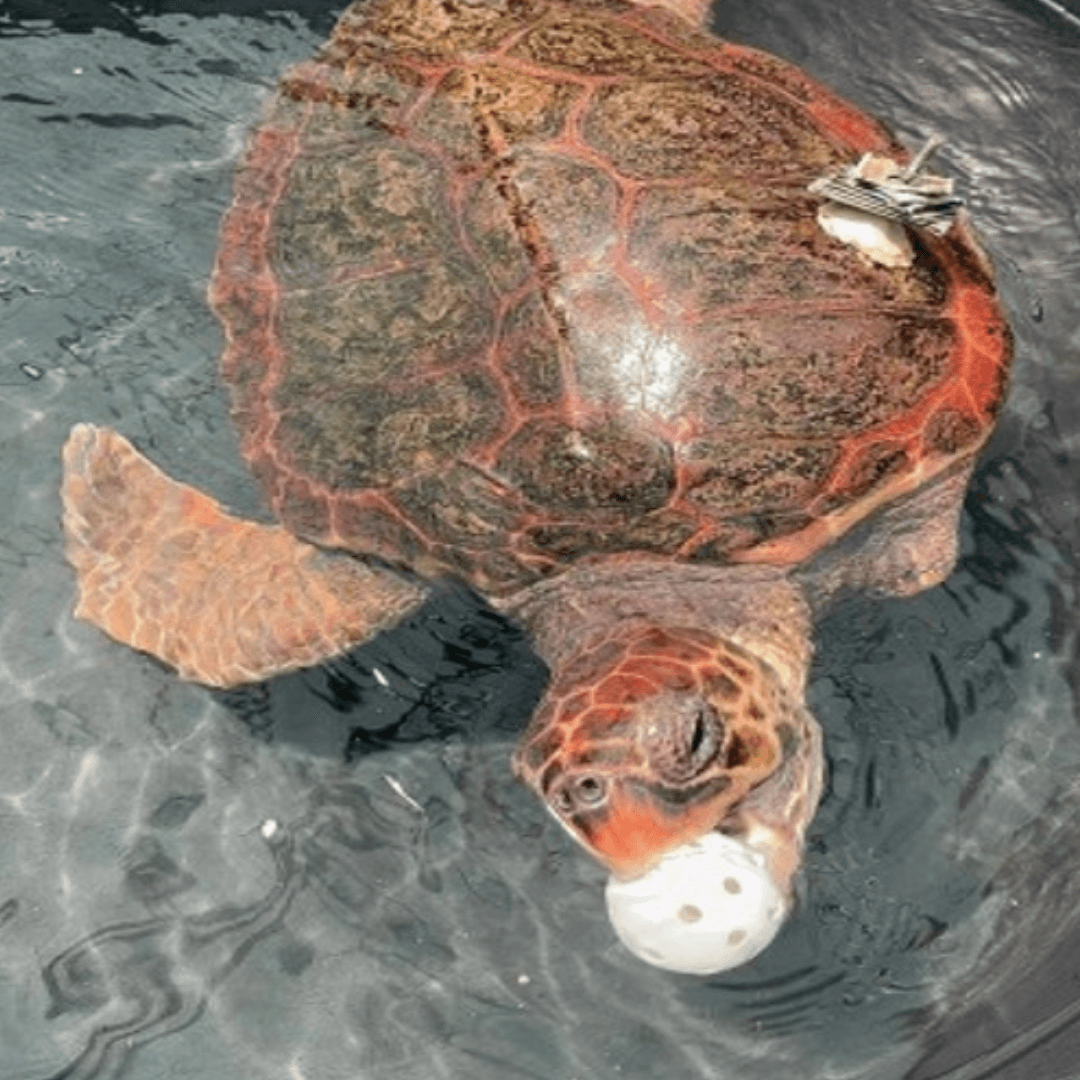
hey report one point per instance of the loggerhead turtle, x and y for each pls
(533, 292)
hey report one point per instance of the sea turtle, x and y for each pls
(534, 293)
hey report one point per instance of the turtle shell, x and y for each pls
(511, 284)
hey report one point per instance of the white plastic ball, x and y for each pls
(707, 906)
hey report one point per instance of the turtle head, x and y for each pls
(651, 737)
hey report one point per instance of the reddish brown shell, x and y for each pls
(507, 285)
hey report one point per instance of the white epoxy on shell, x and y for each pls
(882, 241)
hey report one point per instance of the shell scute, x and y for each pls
(389, 534)
(950, 430)
(486, 109)
(349, 214)
(736, 476)
(661, 532)
(599, 468)
(352, 412)
(459, 506)
(529, 356)
(431, 31)
(569, 202)
(492, 236)
(741, 251)
(591, 45)
(875, 464)
(716, 126)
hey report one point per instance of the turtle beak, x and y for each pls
(639, 822)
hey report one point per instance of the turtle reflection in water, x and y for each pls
(533, 292)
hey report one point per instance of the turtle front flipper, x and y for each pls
(164, 569)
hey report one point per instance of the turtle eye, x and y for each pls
(591, 790)
(585, 791)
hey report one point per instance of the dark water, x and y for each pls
(337, 877)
